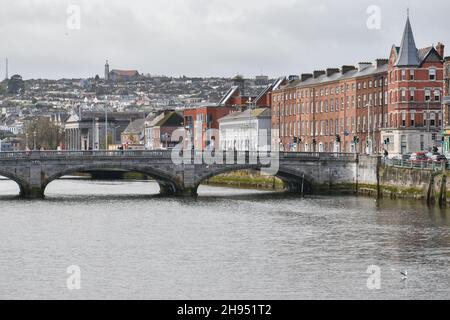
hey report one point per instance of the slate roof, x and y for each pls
(249, 113)
(169, 119)
(136, 126)
(408, 55)
(373, 69)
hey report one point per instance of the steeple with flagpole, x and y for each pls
(408, 54)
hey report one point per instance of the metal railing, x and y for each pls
(417, 164)
(167, 154)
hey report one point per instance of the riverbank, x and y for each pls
(246, 179)
(432, 187)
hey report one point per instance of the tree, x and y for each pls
(16, 85)
(42, 133)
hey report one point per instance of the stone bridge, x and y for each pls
(301, 172)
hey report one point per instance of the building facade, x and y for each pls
(89, 130)
(159, 130)
(415, 88)
(446, 108)
(132, 138)
(393, 104)
(329, 111)
(249, 130)
(200, 124)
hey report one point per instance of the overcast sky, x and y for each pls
(206, 37)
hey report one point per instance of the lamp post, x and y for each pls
(34, 140)
(106, 123)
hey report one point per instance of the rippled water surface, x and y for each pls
(226, 244)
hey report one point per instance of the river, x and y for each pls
(227, 244)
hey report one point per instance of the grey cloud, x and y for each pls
(206, 37)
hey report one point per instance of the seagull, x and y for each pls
(404, 274)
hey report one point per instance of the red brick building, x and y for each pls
(446, 133)
(199, 120)
(415, 96)
(328, 109)
(351, 109)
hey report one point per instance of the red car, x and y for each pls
(418, 157)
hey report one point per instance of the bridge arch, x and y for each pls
(168, 183)
(294, 180)
(22, 184)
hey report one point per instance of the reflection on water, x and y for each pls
(226, 244)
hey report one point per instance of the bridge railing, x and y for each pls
(167, 154)
(417, 164)
(84, 154)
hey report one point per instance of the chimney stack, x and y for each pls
(381, 62)
(364, 65)
(306, 76)
(331, 71)
(346, 69)
(440, 48)
(318, 73)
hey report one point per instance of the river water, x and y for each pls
(226, 244)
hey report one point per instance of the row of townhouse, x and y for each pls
(394, 104)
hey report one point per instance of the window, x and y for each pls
(432, 74)
(437, 95)
(403, 144)
(432, 119)
(358, 123)
(403, 95)
(411, 94)
(411, 75)
(403, 119)
(403, 75)
(427, 95)
(413, 118)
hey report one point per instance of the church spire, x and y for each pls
(408, 56)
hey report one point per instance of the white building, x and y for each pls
(249, 130)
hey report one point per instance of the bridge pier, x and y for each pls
(32, 192)
(187, 192)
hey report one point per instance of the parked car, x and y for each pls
(403, 157)
(418, 157)
(438, 158)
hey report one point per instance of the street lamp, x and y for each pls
(34, 140)
(106, 123)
